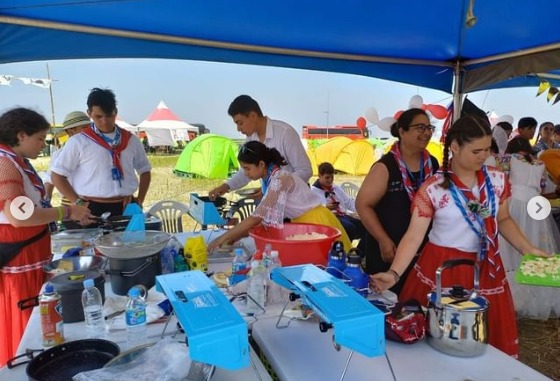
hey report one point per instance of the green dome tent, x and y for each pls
(210, 156)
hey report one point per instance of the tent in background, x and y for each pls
(164, 128)
(210, 156)
(354, 157)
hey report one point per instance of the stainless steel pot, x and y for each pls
(457, 320)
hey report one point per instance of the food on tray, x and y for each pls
(306, 236)
(541, 267)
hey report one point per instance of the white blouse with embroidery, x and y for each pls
(449, 228)
(287, 196)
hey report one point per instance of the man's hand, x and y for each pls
(221, 190)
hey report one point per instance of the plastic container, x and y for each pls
(256, 288)
(50, 309)
(136, 320)
(313, 251)
(238, 267)
(337, 260)
(92, 303)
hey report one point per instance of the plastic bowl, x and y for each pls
(294, 252)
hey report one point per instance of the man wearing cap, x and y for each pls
(106, 163)
(73, 124)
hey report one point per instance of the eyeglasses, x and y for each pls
(244, 149)
(421, 128)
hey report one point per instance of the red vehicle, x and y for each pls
(320, 132)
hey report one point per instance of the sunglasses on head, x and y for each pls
(244, 149)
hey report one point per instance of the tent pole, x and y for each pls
(457, 96)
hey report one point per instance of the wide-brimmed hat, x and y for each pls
(75, 119)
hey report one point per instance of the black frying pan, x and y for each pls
(62, 362)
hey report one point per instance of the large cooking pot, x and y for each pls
(458, 321)
(62, 362)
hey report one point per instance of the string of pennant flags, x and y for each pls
(45, 83)
(551, 91)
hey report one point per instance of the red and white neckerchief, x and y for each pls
(26, 166)
(425, 170)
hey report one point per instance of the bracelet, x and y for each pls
(79, 201)
(60, 211)
(395, 275)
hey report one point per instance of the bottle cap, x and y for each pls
(238, 251)
(88, 283)
(274, 253)
(258, 255)
(49, 289)
(134, 292)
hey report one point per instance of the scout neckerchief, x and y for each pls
(425, 170)
(26, 166)
(483, 211)
(330, 195)
(272, 169)
(115, 146)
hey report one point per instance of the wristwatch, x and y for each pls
(79, 201)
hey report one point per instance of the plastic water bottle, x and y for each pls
(337, 260)
(93, 310)
(238, 267)
(275, 292)
(136, 320)
(256, 288)
(266, 254)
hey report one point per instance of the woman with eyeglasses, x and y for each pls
(545, 138)
(385, 197)
(466, 205)
(285, 195)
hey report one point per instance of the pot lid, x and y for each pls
(74, 280)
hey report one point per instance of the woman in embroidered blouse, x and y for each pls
(463, 201)
(528, 177)
(25, 244)
(545, 138)
(284, 196)
(385, 197)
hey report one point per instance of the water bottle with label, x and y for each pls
(136, 319)
(238, 267)
(359, 279)
(93, 310)
(266, 254)
(275, 292)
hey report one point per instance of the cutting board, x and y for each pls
(551, 279)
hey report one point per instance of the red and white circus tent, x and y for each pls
(164, 128)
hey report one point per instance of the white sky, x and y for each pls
(200, 92)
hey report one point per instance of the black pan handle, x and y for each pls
(28, 303)
(29, 353)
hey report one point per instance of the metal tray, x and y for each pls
(113, 246)
(550, 280)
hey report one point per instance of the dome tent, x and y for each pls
(354, 157)
(210, 156)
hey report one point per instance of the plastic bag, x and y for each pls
(136, 229)
(196, 253)
(167, 360)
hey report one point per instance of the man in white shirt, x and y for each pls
(107, 164)
(247, 115)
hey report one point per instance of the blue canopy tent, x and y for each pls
(457, 46)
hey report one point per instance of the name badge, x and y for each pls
(115, 174)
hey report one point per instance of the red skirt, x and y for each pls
(502, 323)
(21, 278)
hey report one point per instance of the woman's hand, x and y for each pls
(217, 243)
(537, 252)
(381, 281)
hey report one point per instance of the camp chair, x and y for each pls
(171, 213)
(243, 208)
(350, 189)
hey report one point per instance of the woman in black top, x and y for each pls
(385, 197)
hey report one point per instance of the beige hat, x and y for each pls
(75, 119)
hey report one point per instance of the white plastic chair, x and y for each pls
(170, 212)
(350, 189)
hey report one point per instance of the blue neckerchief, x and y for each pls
(266, 181)
(461, 200)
